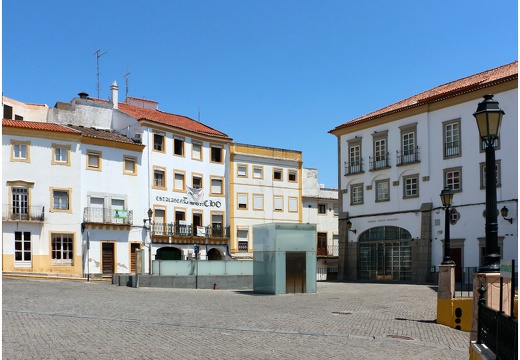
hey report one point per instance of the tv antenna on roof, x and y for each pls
(98, 55)
(126, 80)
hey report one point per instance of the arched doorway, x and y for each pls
(385, 253)
(168, 253)
(214, 254)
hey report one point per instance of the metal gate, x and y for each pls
(295, 277)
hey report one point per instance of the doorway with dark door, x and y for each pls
(107, 259)
(456, 256)
(295, 276)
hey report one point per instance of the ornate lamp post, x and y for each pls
(447, 199)
(150, 213)
(489, 119)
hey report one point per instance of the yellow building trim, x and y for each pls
(42, 264)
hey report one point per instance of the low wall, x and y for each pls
(223, 282)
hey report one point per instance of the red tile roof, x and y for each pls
(103, 134)
(178, 121)
(22, 124)
(455, 88)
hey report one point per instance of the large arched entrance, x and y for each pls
(168, 253)
(214, 254)
(385, 253)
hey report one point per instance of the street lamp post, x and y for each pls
(447, 199)
(489, 118)
(150, 213)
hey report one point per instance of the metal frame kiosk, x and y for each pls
(284, 258)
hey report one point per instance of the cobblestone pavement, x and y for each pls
(65, 319)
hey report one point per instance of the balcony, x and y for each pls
(452, 149)
(189, 230)
(107, 216)
(354, 167)
(24, 213)
(408, 156)
(330, 250)
(379, 162)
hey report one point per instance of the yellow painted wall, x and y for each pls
(455, 313)
(42, 264)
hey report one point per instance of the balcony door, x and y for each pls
(20, 204)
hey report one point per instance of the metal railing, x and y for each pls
(452, 149)
(23, 213)
(379, 162)
(107, 216)
(330, 250)
(326, 274)
(408, 156)
(498, 332)
(177, 229)
(354, 167)
(464, 281)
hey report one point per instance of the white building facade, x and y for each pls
(394, 163)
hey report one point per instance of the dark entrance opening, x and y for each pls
(108, 259)
(133, 248)
(295, 278)
(168, 253)
(214, 254)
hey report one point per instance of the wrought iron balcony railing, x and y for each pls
(23, 213)
(379, 162)
(330, 250)
(452, 149)
(107, 216)
(177, 229)
(354, 167)
(408, 156)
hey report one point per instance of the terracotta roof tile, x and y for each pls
(22, 124)
(104, 134)
(178, 121)
(458, 87)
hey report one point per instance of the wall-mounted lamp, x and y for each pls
(349, 227)
(504, 211)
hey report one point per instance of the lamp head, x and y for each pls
(446, 197)
(489, 118)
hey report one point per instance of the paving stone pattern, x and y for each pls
(66, 319)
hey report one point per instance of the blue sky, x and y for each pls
(269, 73)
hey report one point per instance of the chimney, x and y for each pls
(114, 95)
(83, 95)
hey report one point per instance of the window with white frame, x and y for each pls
(60, 200)
(380, 157)
(20, 150)
(258, 172)
(258, 202)
(411, 186)
(242, 201)
(453, 179)
(62, 249)
(383, 190)
(22, 248)
(19, 203)
(293, 204)
(354, 157)
(93, 160)
(216, 186)
(409, 153)
(278, 203)
(241, 170)
(356, 194)
(196, 151)
(483, 174)
(452, 146)
(180, 180)
(60, 154)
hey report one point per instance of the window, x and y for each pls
(216, 154)
(93, 160)
(409, 151)
(356, 194)
(216, 186)
(278, 203)
(241, 170)
(60, 200)
(178, 146)
(62, 249)
(411, 186)
(258, 172)
(292, 175)
(129, 165)
(242, 201)
(242, 237)
(159, 179)
(60, 154)
(293, 204)
(8, 112)
(196, 181)
(20, 203)
(196, 151)
(453, 179)
(380, 158)
(483, 174)
(22, 247)
(354, 165)
(179, 182)
(452, 139)
(277, 174)
(322, 244)
(258, 202)
(336, 210)
(383, 190)
(20, 151)
(322, 209)
(158, 142)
